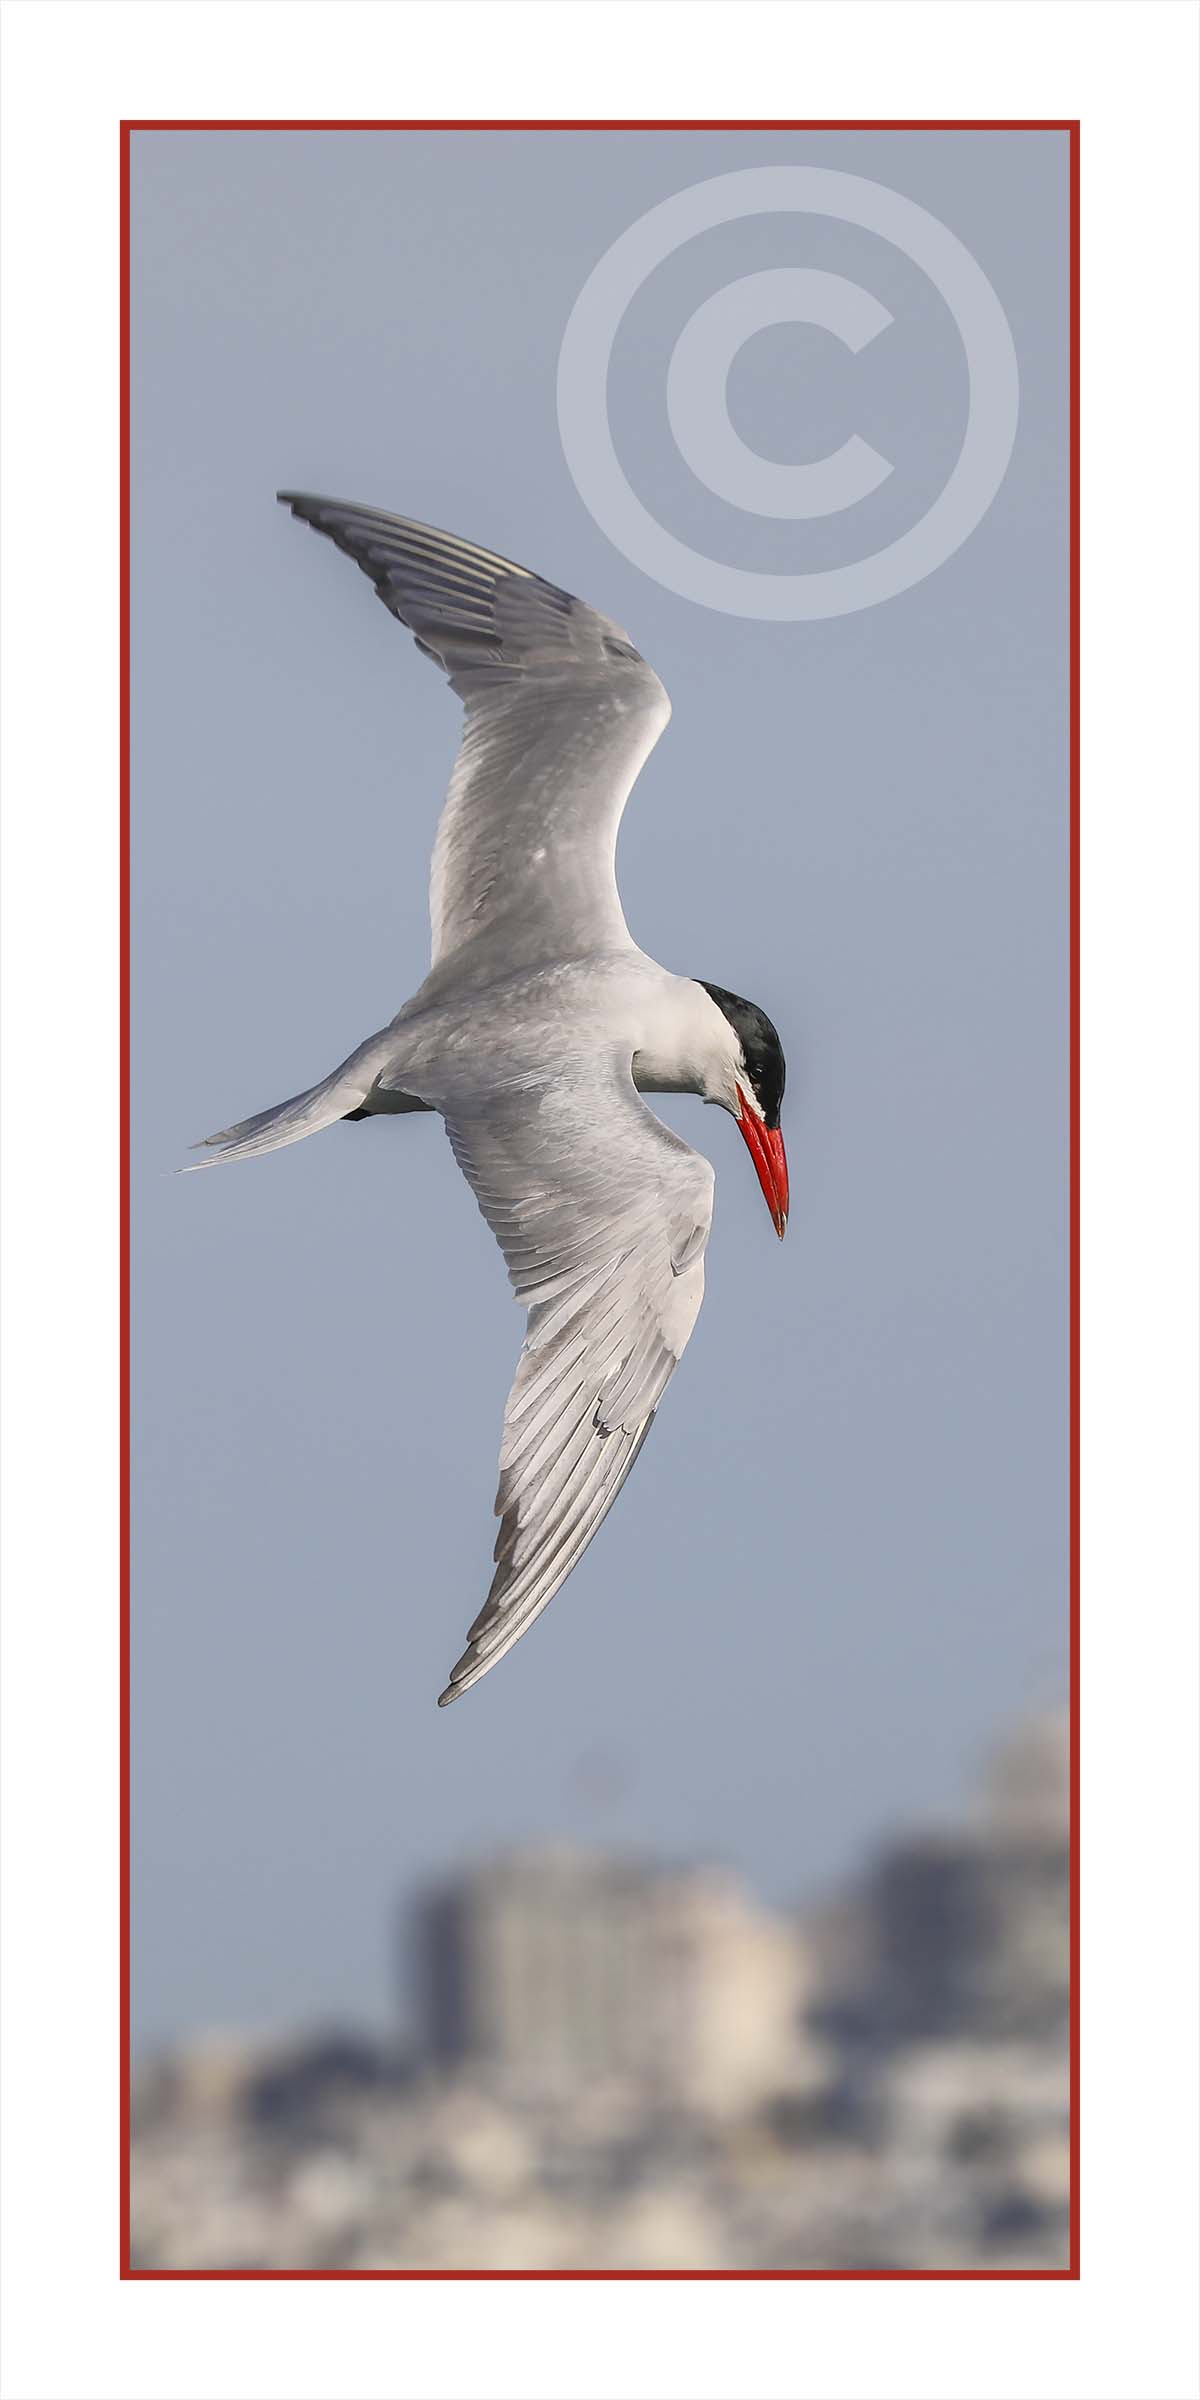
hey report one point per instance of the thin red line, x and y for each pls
(124, 1270)
(599, 124)
(1074, 1229)
(600, 2275)
(1070, 126)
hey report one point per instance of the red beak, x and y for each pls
(765, 1145)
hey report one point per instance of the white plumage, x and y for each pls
(538, 1023)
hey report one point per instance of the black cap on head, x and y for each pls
(761, 1047)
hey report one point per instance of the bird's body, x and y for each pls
(538, 1026)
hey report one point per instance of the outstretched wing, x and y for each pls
(603, 1215)
(561, 713)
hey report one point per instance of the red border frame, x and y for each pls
(1068, 125)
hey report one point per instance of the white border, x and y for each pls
(75, 2333)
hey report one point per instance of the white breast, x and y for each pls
(686, 1044)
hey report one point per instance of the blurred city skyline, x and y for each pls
(618, 2062)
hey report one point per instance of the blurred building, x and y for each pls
(551, 1969)
(628, 2066)
(963, 1931)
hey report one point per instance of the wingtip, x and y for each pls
(466, 1670)
(302, 504)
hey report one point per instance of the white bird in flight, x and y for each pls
(538, 1026)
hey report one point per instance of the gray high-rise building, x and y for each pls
(963, 1932)
(557, 1967)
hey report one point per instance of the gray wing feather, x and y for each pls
(603, 1215)
(561, 713)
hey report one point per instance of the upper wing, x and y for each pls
(603, 1215)
(561, 713)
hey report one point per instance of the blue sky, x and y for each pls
(841, 1565)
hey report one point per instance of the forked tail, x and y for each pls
(348, 1092)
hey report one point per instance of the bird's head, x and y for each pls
(746, 1074)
